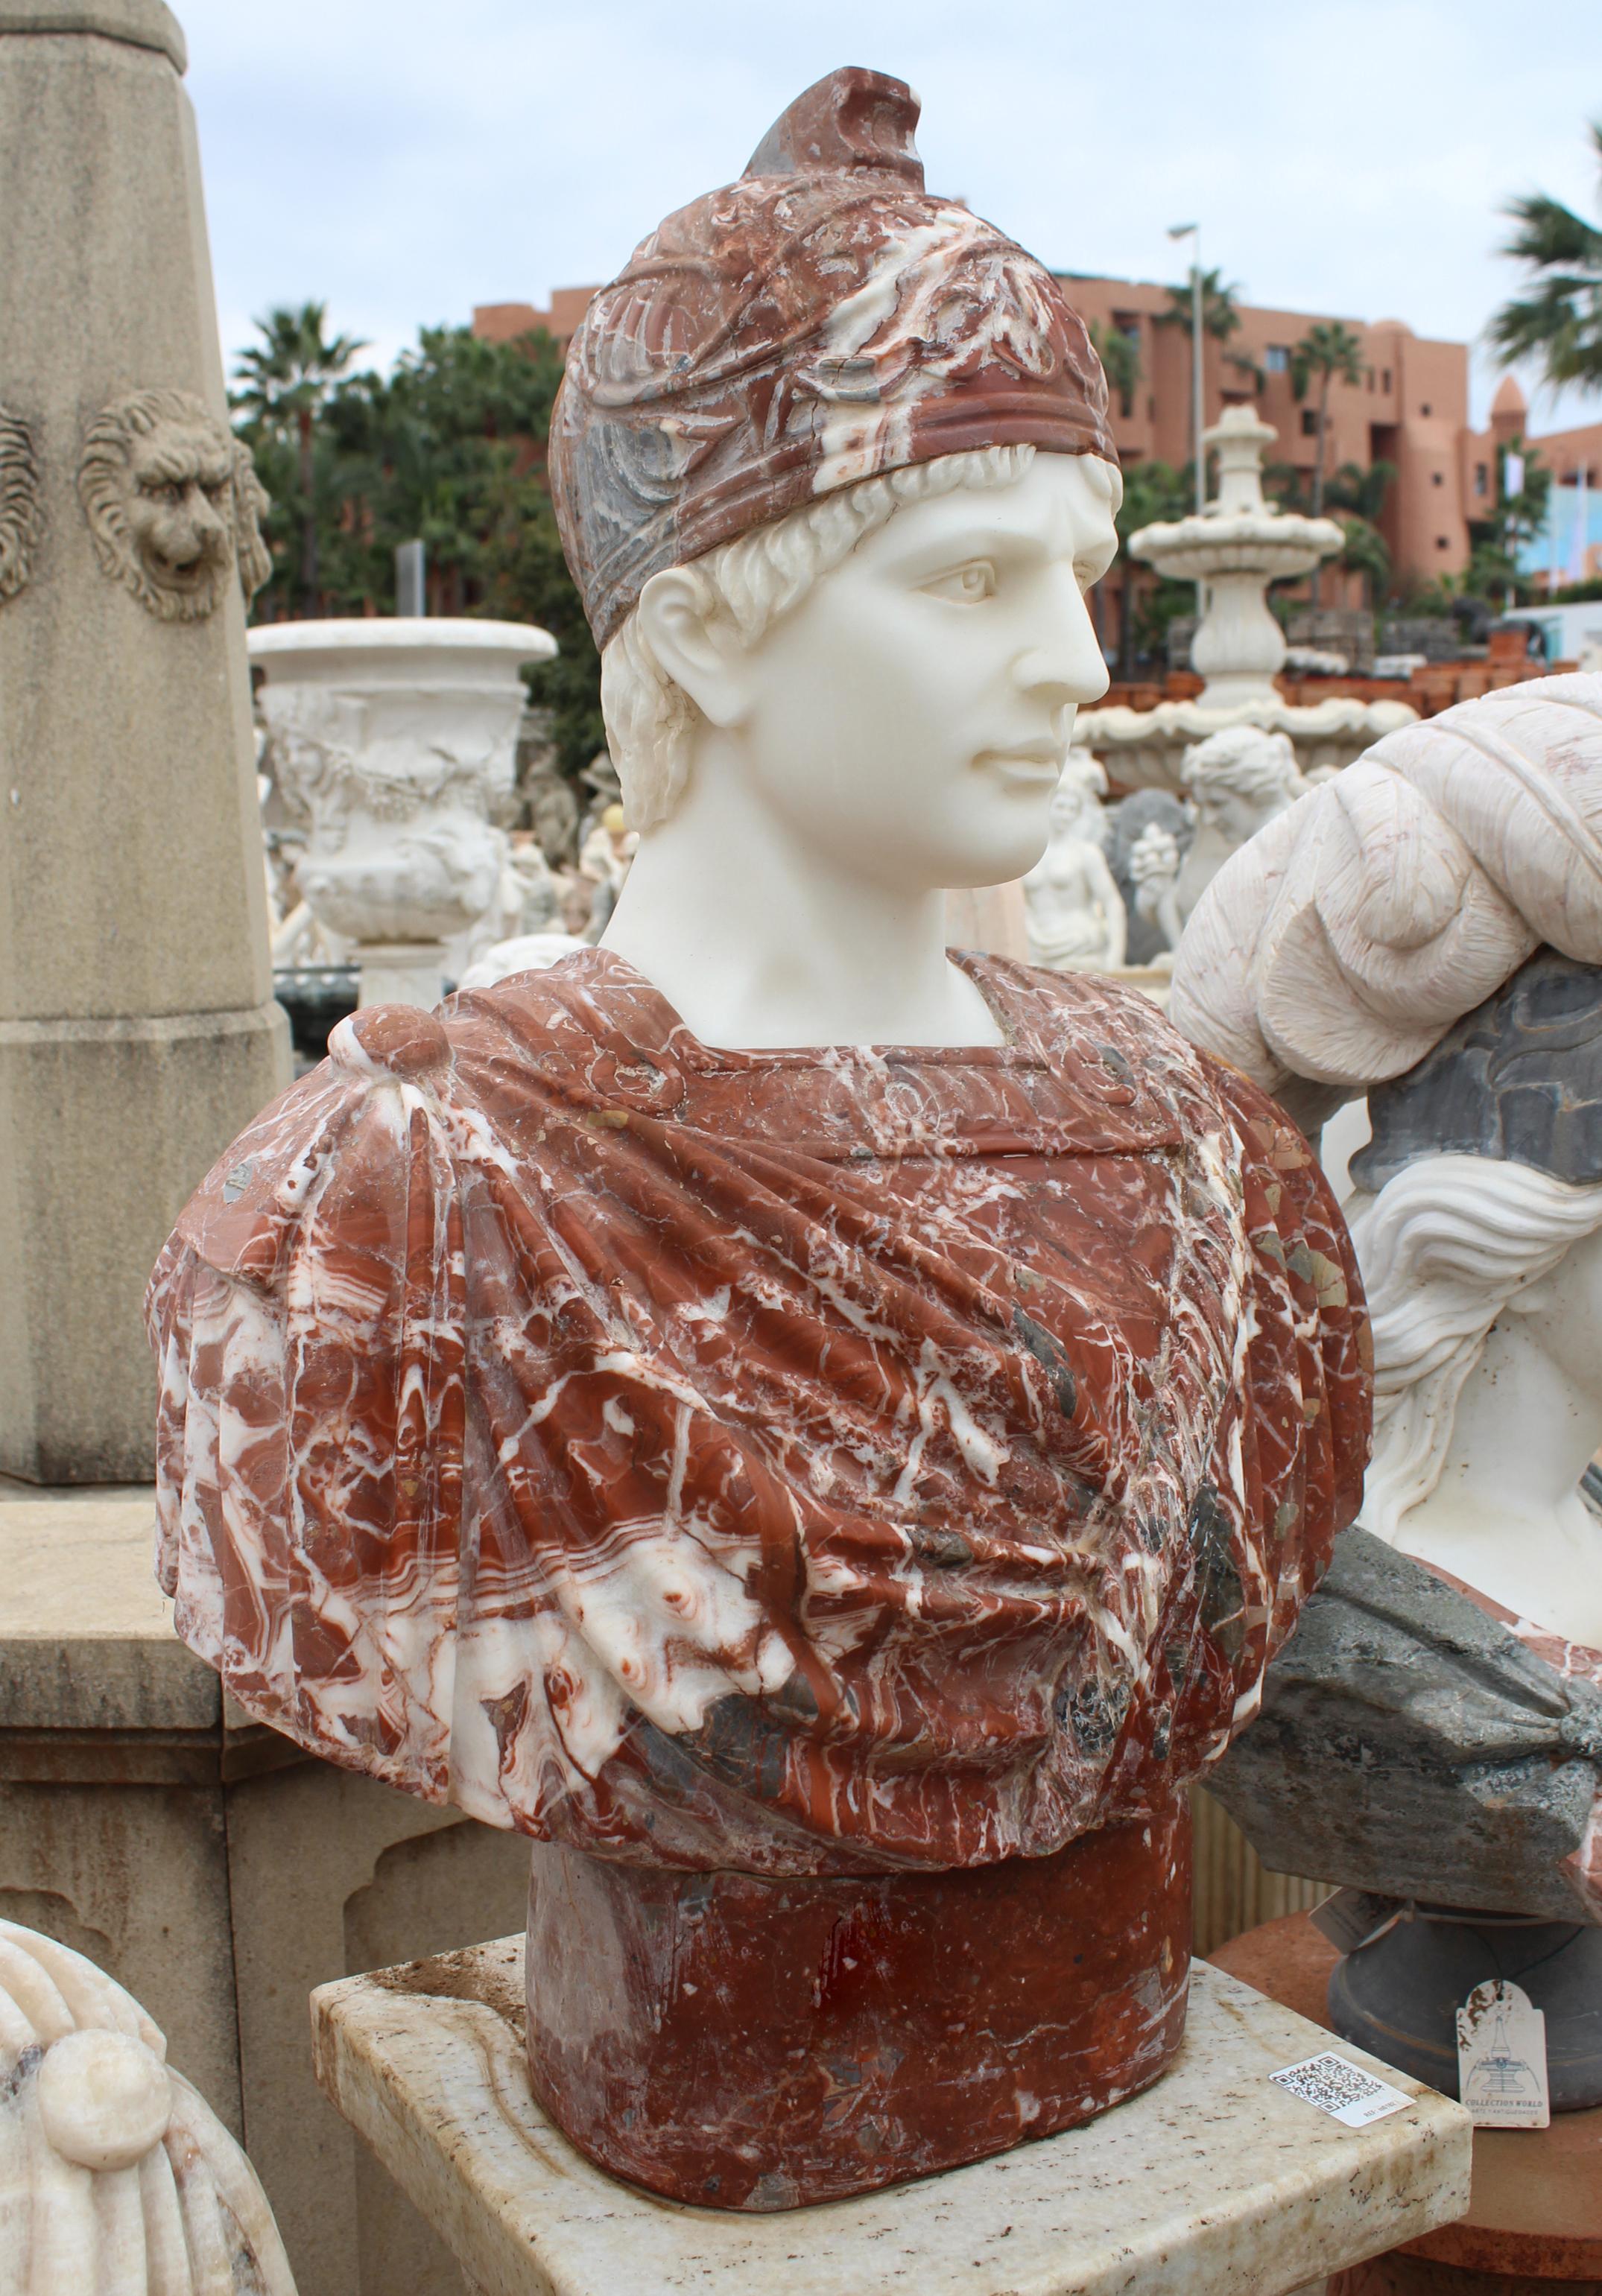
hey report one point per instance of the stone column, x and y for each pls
(137, 1029)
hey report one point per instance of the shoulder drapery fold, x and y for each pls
(810, 1463)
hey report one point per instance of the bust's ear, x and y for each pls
(696, 642)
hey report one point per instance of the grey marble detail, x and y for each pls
(1409, 1745)
(1519, 1078)
(1213, 2181)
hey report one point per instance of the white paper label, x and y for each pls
(1342, 2089)
(1502, 2057)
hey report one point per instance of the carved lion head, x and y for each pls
(21, 522)
(173, 503)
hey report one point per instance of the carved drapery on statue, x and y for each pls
(807, 1461)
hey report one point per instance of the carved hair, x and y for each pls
(1342, 942)
(752, 581)
(1444, 1247)
(102, 487)
(1245, 761)
(21, 521)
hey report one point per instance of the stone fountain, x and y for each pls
(1234, 549)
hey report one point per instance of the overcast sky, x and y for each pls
(405, 159)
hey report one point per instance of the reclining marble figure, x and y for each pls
(823, 1436)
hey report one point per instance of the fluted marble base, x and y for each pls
(1213, 2183)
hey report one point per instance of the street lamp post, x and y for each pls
(1193, 231)
(1198, 414)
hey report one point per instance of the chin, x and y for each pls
(996, 857)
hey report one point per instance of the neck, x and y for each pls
(1507, 1516)
(757, 939)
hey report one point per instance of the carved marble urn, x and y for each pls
(394, 739)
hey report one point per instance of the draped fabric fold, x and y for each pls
(809, 1462)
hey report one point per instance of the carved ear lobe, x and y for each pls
(252, 504)
(694, 640)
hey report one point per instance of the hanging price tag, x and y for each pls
(1502, 2057)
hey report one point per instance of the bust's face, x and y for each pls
(911, 715)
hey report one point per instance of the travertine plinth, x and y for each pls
(1213, 2180)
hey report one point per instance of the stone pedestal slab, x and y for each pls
(1535, 2219)
(1214, 2180)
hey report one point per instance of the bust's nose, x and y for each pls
(1063, 662)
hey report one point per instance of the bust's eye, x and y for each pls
(967, 585)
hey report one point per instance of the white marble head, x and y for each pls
(873, 653)
(115, 2174)
(1239, 778)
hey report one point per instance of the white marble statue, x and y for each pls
(1484, 1282)
(116, 2176)
(1236, 780)
(1076, 914)
(1427, 928)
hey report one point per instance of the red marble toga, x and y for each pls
(814, 1462)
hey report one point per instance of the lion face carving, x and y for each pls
(173, 504)
(21, 522)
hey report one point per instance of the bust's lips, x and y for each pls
(1034, 765)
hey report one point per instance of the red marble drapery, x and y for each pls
(810, 1462)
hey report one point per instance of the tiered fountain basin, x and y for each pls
(1235, 548)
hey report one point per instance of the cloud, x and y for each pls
(404, 164)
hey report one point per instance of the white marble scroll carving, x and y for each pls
(115, 2174)
(1340, 945)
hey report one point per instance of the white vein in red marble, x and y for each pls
(812, 1462)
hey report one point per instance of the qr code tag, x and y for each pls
(1342, 2089)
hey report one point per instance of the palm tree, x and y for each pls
(1220, 318)
(1120, 356)
(284, 381)
(1559, 323)
(1328, 349)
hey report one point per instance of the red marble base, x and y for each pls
(753, 2043)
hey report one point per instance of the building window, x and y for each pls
(1385, 378)
(1309, 422)
(1369, 372)
(1482, 478)
(1436, 478)
(1441, 543)
(1128, 323)
(1424, 412)
(1277, 359)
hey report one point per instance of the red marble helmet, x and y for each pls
(820, 321)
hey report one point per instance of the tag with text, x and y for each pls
(1502, 2057)
(1342, 2089)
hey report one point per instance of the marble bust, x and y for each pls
(1236, 780)
(821, 1432)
